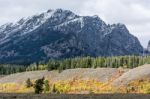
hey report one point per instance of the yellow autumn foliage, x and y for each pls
(82, 86)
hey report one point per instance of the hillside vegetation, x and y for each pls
(84, 75)
(82, 81)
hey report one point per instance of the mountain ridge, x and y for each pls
(59, 33)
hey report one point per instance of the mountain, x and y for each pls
(62, 34)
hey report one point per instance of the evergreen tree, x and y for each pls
(38, 87)
(29, 83)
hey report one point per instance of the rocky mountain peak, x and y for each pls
(62, 34)
(119, 26)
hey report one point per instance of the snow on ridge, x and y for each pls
(29, 24)
(3, 27)
(38, 22)
(25, 24)
(79, 20)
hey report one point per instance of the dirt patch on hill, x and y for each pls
(100, 74)
(139, 73)
(22, 77)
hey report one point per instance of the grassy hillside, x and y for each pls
(80, 75)
(82, 81)
(68, 81)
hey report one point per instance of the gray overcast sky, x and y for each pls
(134, 13)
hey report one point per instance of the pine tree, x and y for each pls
(29, 83)
(38, 87)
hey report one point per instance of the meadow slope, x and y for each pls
(83, 80)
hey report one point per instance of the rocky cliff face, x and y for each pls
(148, 47)
(62, 34)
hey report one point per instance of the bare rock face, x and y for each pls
(63, 34)
(148, 47)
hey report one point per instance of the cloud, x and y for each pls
(134, 13)
(12, 10)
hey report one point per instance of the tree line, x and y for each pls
(98, 62)
(78, 62)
